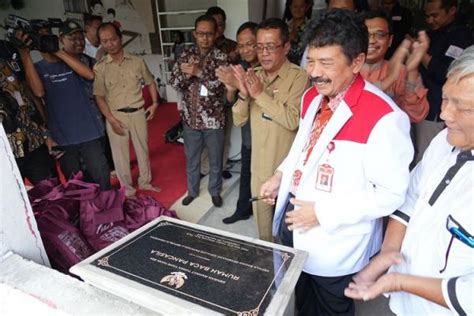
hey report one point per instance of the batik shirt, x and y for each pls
(23, 125)
(297, 45)
(202, 104)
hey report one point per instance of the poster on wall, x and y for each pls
(133, 17)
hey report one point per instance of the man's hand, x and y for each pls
(303, 217)
(150, 112)
(387, 283)
(25, 39)
(371, 274)
(269, 189)
(50, 143)
(118, 126)
(190, 69)
(418, 49)
(396, 63)
(226, 76)
(239, 74)
(253, 83)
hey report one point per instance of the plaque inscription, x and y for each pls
(225, 274)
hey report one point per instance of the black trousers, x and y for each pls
(37, 165)
(244, 206)
(286, 236)
(317, 295)
(88, 157)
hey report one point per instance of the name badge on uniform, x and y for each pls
(454, 51)
(14, 65)
(396, 18)
(18, 98)
(266, 117)
(203, 92)
(324, 177)
(325, 173)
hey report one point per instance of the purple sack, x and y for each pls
(142, 210)
(51, 192)
(63, 242)
(102, 218)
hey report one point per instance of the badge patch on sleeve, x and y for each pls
(454, 51)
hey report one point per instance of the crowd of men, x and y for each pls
(327, 148)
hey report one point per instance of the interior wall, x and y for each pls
(237, 12)
(18, 230)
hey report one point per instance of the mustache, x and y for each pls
(319, 80)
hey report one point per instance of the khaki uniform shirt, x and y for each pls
(274, 117)
(121, 83)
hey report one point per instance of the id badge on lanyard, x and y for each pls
(325, 173)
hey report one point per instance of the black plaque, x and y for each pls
(225, 274)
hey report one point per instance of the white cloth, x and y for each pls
(370, 159)
(427, 239)
(90, 50)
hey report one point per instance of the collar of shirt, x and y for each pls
(374, 67)
(457, 151)
(334, 102)
(282, 72)
(302, 26)
(108, 58)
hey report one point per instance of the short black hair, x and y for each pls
(216, 11)
(180, 35)
(445, 4)
(252, 26)
(111, 11)
(343, 28)
(206, 18)
(276, 23)
(90, 18)
(373, 14)
(107, 24)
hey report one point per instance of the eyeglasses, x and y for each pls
(458, 232)
(205, 34)
(379, 35)
(248, 45)
(271, 48)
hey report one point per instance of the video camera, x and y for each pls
(45, 43)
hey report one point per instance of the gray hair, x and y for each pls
(463, 66)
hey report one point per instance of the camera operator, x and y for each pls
(74, 120)
(23, 124)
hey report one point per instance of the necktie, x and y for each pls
(320, 122)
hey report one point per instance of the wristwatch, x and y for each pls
(241, 97)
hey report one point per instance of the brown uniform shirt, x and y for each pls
(274, 117)
(121, 83)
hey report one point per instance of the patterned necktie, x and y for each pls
(320, 122)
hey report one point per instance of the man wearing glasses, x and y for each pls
(429, 245)
(399, 77)
(202, 108)
(247, 48)
(269, 96)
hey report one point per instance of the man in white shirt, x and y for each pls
(429, 243)
(92, 48)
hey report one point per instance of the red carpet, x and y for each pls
(168, 164)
